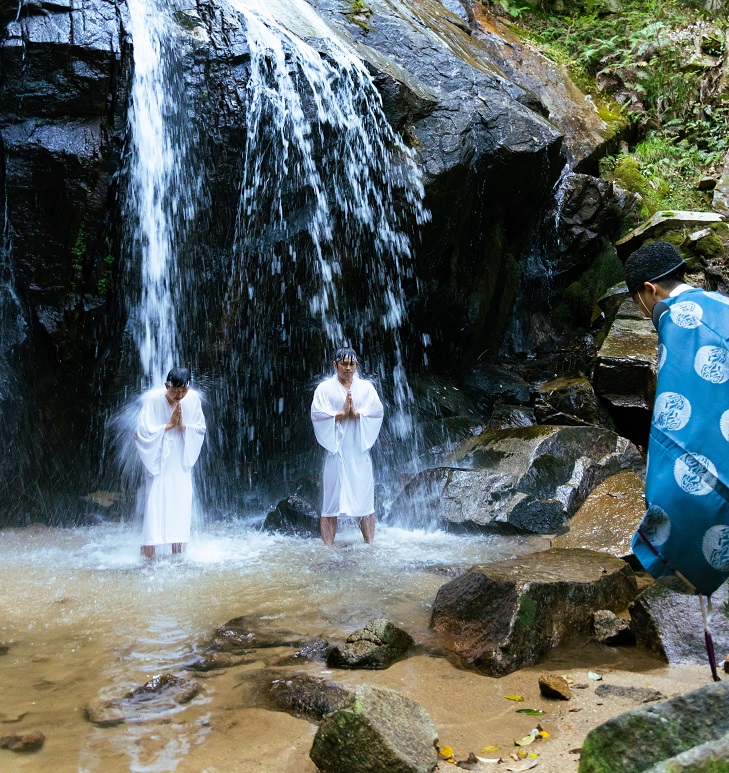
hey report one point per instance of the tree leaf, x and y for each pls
(595, 677)
(513, 697)
(525, 741)
(531, 712)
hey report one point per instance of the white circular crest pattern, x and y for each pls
(672, 411)
(715, 547)
(656, 525)
(724, 425)
(662, 354)
(686, 314)
(712, 364)
(695, 474)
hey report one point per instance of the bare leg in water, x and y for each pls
(178, 547)
(148, 551)
(367, 527)
(328, 528)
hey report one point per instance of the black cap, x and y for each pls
(650, 263)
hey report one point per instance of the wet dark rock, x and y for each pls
(300, 694)
(157, 697)
(440, 397)
(294, 515)
(4, 648)
(625, 371)
(213, 661)
(635, 694)
(612, 299)
(670, 624)
(612, 630)
(489, 384)
(571, 402)
(249, 632)
(510, 417)
(28, 741)
(315, 650)
(378, 645)
(645, 737)
(609, 516)
(499, 617)
(554, 687)
(532, 479)
(379, 731)
(588, 208)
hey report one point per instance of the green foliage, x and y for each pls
(641, 66)
(358, 12)
(78, 251)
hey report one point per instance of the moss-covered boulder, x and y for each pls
(500, 617)
(379, 731)
(641, 739)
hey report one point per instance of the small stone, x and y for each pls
(611, 629)
(637, 694)
(31, 741)
(726, 664)
(378, 645)
(555, 687)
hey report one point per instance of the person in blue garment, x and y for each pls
(683, 539)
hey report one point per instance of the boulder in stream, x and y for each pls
(378, 731)
(300, 694)
(569, 402)
(378, 645)
(250, 632)
(499, 617)
(670, 624)
(532, 479)
(155, 698)
(294, 515)
(28, 741)
(646, 738)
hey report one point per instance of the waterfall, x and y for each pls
(316, 257)
(162, 185)
(329, 199)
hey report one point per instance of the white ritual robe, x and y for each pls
(349, 489)
(168, 457)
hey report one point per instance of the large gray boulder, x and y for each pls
(379, 731)
(533, 479)
(646, 737)
(671, 626)
(499, 617)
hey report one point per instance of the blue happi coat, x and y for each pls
(686, 525)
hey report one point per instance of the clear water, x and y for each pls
(85, 618)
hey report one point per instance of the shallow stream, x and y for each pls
(83, 617)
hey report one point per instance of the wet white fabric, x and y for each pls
(168, 457)
(348, 485)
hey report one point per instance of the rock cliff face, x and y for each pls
(490, 128)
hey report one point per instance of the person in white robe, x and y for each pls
(347, 415)
(169, 435)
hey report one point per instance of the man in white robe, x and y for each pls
(347, 415)
(169, 436)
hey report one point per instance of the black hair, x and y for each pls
(345, 352)
(178, 377)
(659, 261)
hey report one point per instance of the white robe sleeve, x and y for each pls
(329, 432)
(371, 414)
(194, 421)
(149, 438)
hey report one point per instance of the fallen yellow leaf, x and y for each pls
(489, 749)
(445, 751)
(513, 697)
(525, 741)
(544, 734)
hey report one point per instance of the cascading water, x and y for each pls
(329, 199)
(163, 187)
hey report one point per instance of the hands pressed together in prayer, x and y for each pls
(348, 408)
(176, 418)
